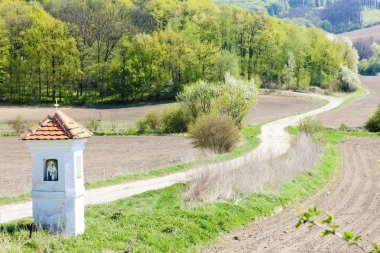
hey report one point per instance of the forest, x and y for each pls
(87, 51)
(335, 16)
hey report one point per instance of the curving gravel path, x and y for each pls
(353, 198)
(357, 112)
(275, 141)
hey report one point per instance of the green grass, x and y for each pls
(159, 221)
(249, 133)
(370, 17)
(19, 198)
(5, 134)
(350, 97)
(4, 126)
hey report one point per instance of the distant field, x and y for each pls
(110, 156)
(370, 16)
(269, 108)
(356, 113)
(373, 32)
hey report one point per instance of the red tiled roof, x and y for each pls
(57, 126)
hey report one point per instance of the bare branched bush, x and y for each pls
(18, 124)
(217, 133)
(256, 175)
(93, 124)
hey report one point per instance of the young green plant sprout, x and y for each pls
(312, 217)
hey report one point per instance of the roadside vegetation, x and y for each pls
(249, 135)
(151, 50)
(373, 123)
(162, 220)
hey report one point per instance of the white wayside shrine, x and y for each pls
(56, 145)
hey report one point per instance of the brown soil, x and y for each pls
(356, 113)
(353, 198)
(373, 32)
(104, 157)
(268, 108)
(272, 107)
(109, 156)
(34, 114)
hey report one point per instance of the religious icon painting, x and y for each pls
(51, 170)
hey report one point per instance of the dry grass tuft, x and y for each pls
(255, 175)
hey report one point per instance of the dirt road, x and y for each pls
(274, 138)
(106, 157)
(354, 199)
(356, 113)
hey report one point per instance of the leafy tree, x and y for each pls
(196, 98)
(83, 51)
(349, 81)
(288, 72)
(236, 98)
(4, 57)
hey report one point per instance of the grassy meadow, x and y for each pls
(160, 221)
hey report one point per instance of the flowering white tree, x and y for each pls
(349, 80)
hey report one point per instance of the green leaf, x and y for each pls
(348, 236)
(326, 232)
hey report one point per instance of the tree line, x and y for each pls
(335, 16)
(82, 51)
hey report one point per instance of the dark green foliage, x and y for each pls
(373, 123)
(217, 133)
(369, 67)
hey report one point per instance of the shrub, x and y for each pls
(236, 98)
(93, 125)
(152, 119)
(141, 126)
(196, 98)
(343, 128)
(18, 124)
(174, 120)
(310, 126)
(348, 80)
(373, 123)
(233, 98)
(218, 133)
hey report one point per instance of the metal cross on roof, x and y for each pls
(56, 105)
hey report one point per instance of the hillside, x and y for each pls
(99, 51)
(332, 15)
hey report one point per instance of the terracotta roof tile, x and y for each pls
(57, 126)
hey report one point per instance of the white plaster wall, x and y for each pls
(58, 205)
